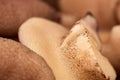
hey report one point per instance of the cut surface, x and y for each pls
(83, 57)
(90, 23)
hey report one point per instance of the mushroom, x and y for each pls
(17, 62)
(15, 12)
(103, 10)
(72, 55)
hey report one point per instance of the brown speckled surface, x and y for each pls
(19, 63)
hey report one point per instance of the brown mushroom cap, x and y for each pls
(14, 12)
(19, 63)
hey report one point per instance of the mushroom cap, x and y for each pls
(19, 63)
(14, 12)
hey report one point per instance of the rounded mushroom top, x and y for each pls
(14, 12)
(19, 63)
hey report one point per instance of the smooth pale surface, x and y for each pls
(44, 37)
(102, 10)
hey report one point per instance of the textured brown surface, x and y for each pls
(19, 63)
(14, 12)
